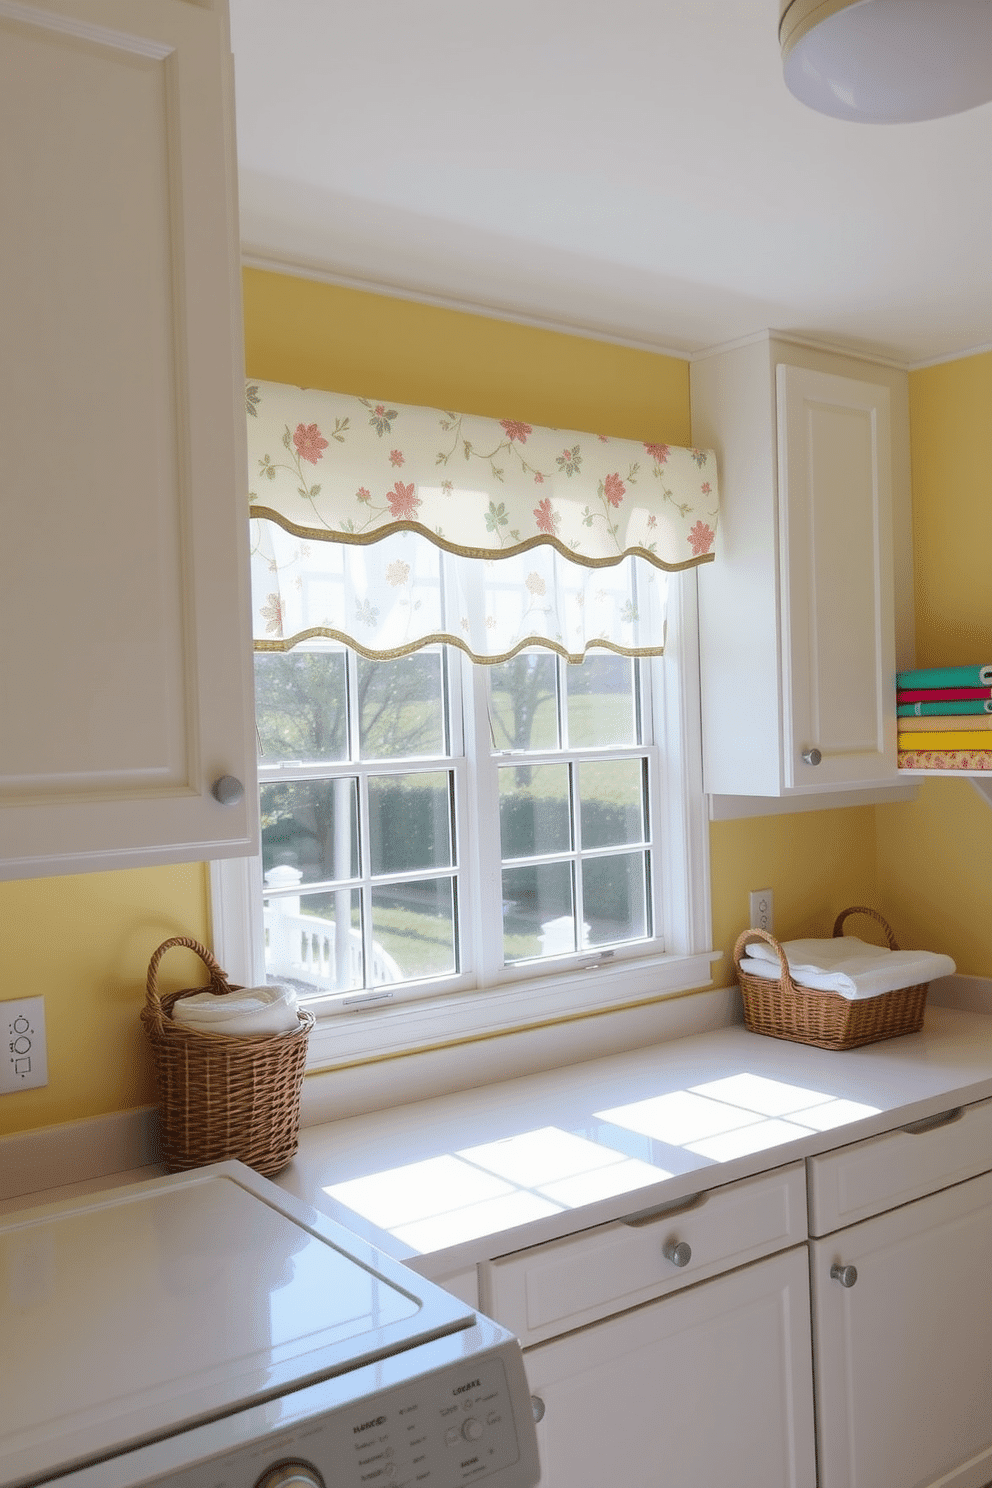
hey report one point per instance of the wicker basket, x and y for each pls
(784, 1010)
(220, 1096)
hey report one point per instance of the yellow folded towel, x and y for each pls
(970, 739)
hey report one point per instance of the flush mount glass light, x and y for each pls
(887, 61)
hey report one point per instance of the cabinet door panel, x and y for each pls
(835, 510)
(706, 1388)
(124, 673)
(904, 1356)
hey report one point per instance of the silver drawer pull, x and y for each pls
(846, 1275)
(933, 1123)
(811, 756)
(537, 1407)
(664, 1211)
(680, 1253)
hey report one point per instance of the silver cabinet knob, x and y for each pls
(679, 1254)
(812, 756)
(537, 1407)
(228, 790)
(846, 1275)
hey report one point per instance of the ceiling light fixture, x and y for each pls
(887, 61)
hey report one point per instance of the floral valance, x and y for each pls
(378, 523)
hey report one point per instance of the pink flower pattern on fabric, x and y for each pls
(658, 452)
(516, 430)
(614, 489)
(396, 457)
(547, 520)
(310, 443)
(402, 501)
(701, 539)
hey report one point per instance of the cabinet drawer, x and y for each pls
(880, 1173)
(553, 1288)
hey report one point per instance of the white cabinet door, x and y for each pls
(903, 1362)
(704, 1389)
(797, 613)
(835, 526)
(125, 679)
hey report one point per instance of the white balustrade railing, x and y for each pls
(305, 948)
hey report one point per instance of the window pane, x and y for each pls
(602, 709)
(309, 827)
(401, 710)
(301, 706)
(614, 899)
(302, 943)
(413, 927)
(611, 801)
(410, 822)
(524, 701)
(538, 914)
(534, 814)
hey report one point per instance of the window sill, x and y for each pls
(342, 1040)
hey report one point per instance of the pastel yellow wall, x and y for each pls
(816, 863)
(935, 854)
(84, 944)
(318, 335)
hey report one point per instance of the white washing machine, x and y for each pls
(207, 1330)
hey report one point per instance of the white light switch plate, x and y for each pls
(23, 1047)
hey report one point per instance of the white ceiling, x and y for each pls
(634, 170)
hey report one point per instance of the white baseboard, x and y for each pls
(77, 1151)
(969, 994)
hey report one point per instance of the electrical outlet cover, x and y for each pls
(762, 910)
(23, 1047)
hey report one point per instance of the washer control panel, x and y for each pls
(463, 1429)
(467, 1421)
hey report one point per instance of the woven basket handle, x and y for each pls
(788, 985)
(872, 914)
(219, 984)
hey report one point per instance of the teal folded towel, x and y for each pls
(960, 676)
(955, 707)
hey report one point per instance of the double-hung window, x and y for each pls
(460, 845)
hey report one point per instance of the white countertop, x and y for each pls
(445, 1183)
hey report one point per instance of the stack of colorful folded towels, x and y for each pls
(945, 718)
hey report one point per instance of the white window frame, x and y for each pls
(528, 997)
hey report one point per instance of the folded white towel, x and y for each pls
(253, 1010)
(847, 965)
(820, 953)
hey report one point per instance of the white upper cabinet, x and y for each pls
(798, 614)
(125, 669)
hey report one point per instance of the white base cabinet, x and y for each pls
(684, 1346)
(903, 1352)
(707, 1388)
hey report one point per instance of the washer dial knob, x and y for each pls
(291, 1475)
